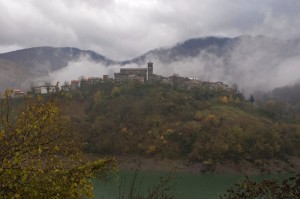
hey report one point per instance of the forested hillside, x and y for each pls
(157, 120)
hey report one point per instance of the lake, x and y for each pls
(185, 185)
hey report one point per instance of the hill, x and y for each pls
(42, 60)
(197, 125)
(22, 68)
(13, 75)
(218, 46)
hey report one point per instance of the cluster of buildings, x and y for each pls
(141, 75)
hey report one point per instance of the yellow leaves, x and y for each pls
(169, 131)
(56, 148)
(224, 99)
(24, 177)
(151, 150)
(115, 91)
(42, 158)
(39, 98)
(39, 150)
(8, 93)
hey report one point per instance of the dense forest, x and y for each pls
(199, 124)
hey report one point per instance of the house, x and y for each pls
(94, 80)
(74, 85)
(45, 89)
(84, 83)
(192, 83)
(17, 94)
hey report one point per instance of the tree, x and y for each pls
(57, 87)
(39, 155)
(116, 91)
(267, 189)
(32, 90)
(66, 86)
(48, 86)
(97, 98)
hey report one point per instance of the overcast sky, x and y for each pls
(122, 29)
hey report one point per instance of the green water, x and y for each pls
(185, 186)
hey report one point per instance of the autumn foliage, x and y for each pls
(197, 124)
(40, 156)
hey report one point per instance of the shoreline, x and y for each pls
(272, 166)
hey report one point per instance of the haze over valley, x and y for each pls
(252, 62)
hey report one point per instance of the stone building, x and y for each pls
(94, 80)
(193, 83)
(84, 83)
(140, 74)
(74, 84)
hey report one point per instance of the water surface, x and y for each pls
(184, 185)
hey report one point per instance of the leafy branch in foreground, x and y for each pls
(40, 156)
(267, 189)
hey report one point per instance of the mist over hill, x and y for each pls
(43, 60)
(251, 62)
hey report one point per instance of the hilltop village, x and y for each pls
(141, 75)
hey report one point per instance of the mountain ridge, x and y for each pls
(55, 57)
(221, 58)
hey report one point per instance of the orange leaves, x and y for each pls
(211, 120)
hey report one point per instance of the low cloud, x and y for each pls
(260, 64)
(84, 68)
(254, 63)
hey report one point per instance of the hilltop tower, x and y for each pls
(150, 68)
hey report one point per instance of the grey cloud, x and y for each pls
(124, 29)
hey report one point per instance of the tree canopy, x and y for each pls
(40, 156)
(266, 189)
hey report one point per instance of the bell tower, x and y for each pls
(150, 68)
